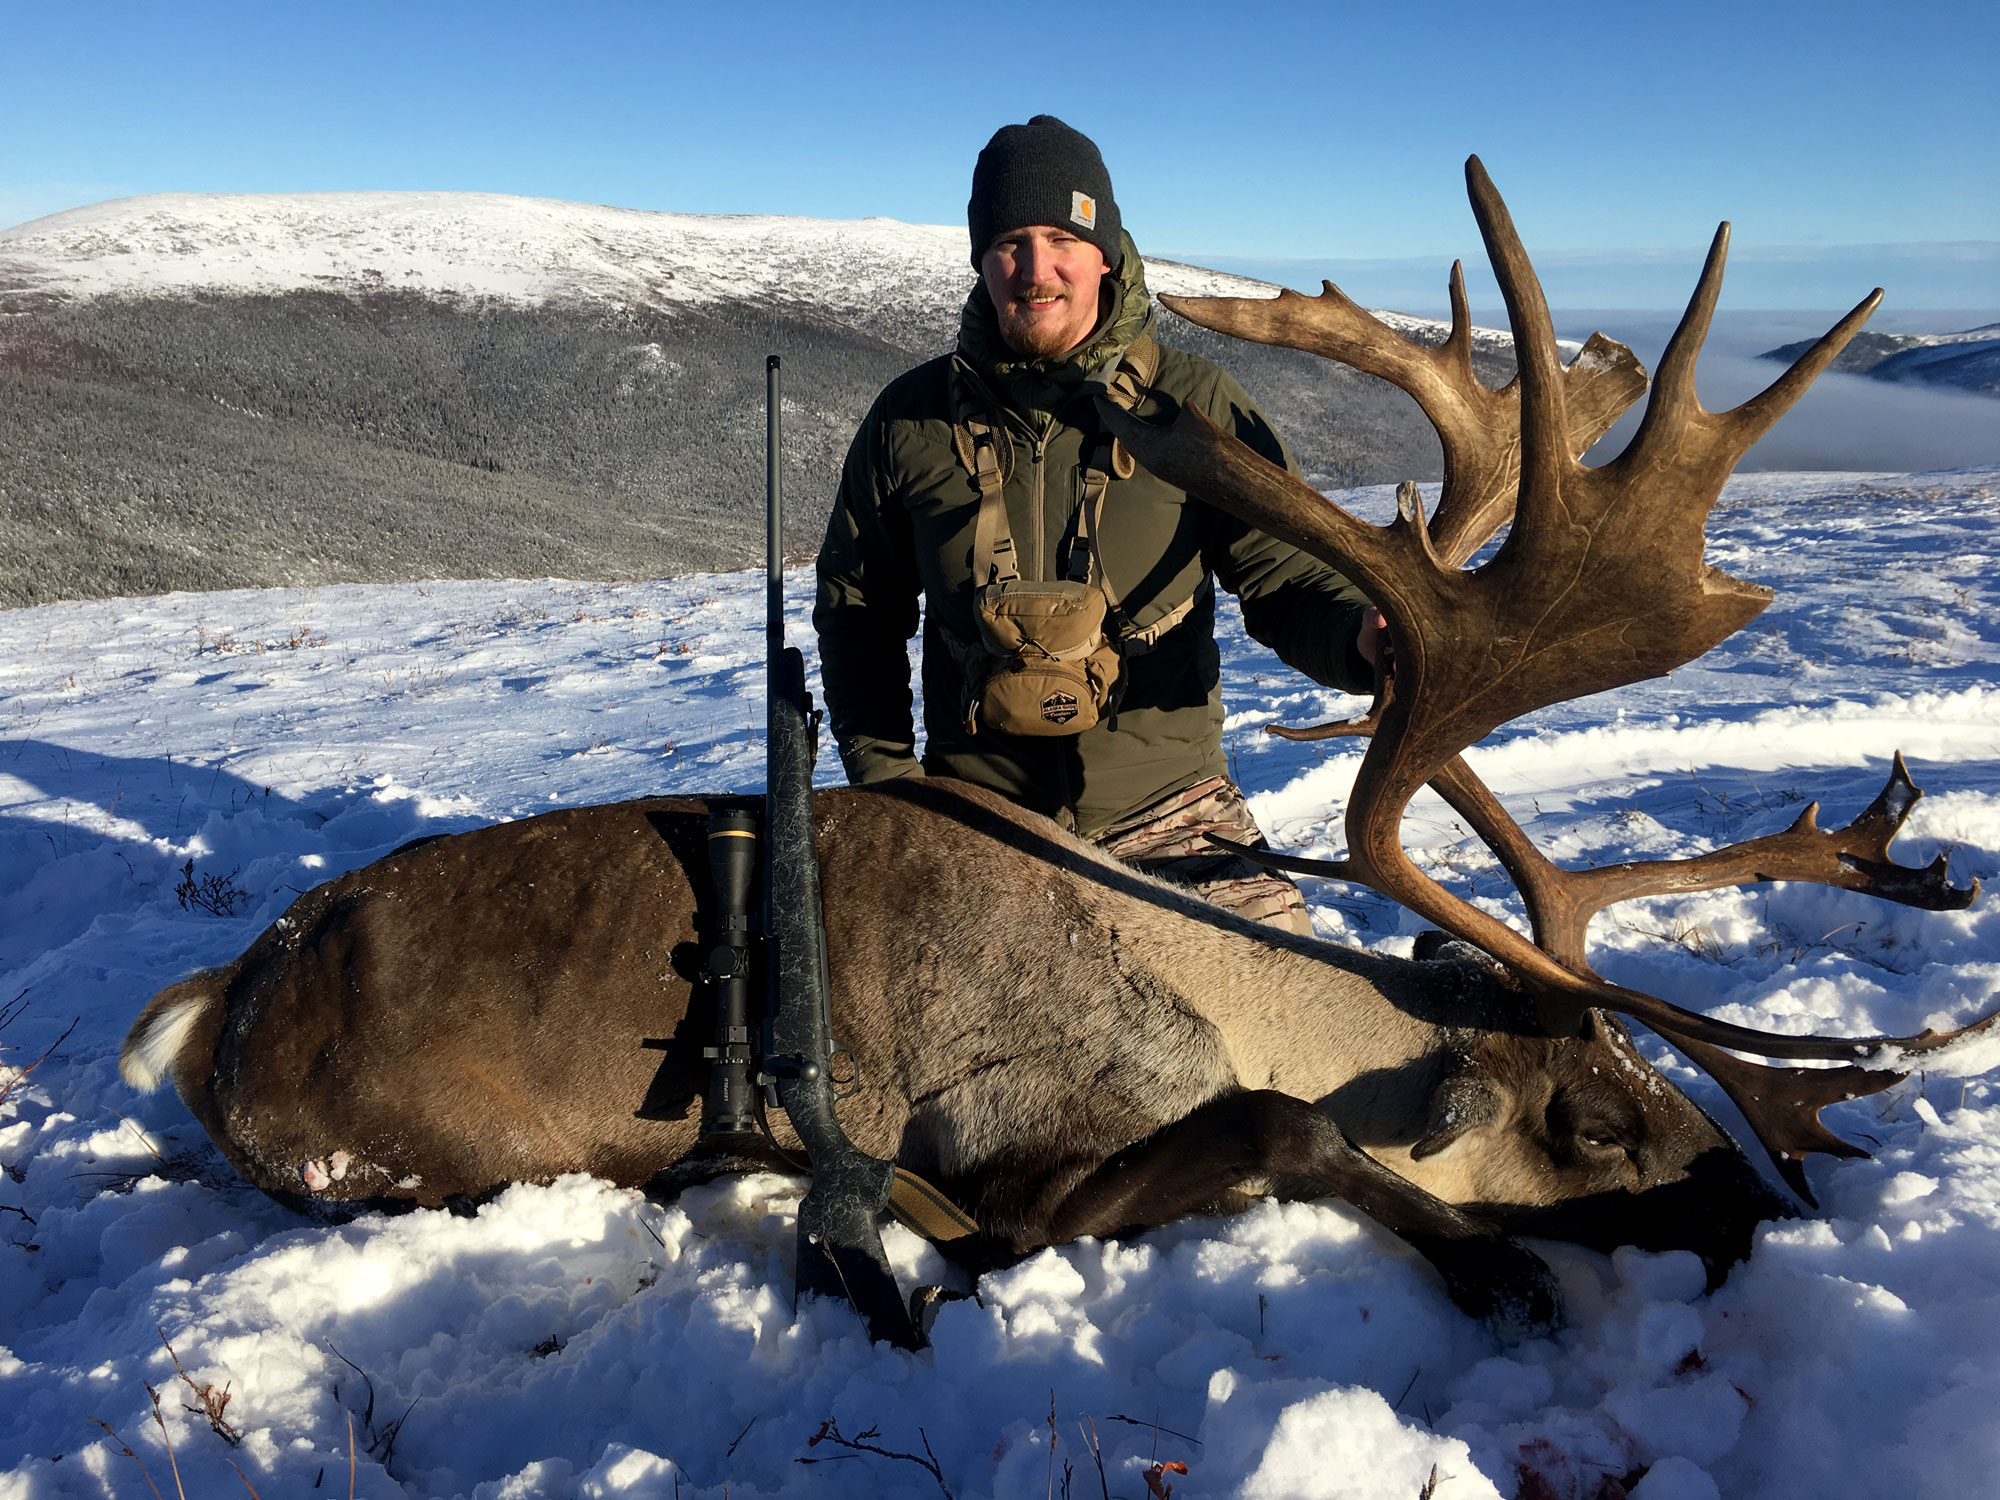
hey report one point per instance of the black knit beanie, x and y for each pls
(1042, 172)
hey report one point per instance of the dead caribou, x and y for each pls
(1065, 1047)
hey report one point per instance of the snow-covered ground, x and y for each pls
(573, 1340)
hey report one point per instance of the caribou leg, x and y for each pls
(1296, 1152)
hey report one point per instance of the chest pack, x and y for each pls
(1049, 657)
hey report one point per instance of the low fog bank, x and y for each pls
(1844, 421)
(1938, 274)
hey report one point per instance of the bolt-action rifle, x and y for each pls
(840, 1248)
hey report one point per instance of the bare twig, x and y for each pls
(1430, 1485)
(350, 1449)
(218, 895)
(652, 1231)
(245, 1478)
(829, 1432)
(213, 1402)
(125, 1449)
(368, 1415)
(386, 1439)
(1155, 1428)
(1397, 1404)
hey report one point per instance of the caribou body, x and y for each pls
(1064, 1046)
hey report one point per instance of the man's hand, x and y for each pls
(1373, 641)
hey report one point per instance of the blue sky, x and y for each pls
(1282, 134)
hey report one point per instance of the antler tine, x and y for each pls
(1676, 412)
(1782, 1105)
(1476, 424)
(1458, 344)
(1674, 400)
(1544, 424)
(1754, 417)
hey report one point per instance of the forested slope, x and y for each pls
(164, 432)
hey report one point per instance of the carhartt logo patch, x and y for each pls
(1059, 708)
(1083, 210)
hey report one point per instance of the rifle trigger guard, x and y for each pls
(853, 1080)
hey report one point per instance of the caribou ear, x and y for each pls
(1461, 1104)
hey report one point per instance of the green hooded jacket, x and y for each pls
(902, 531)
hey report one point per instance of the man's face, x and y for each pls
(1044, 283)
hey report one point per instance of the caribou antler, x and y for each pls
(1600, 583)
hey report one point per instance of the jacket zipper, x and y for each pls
(1038, 500)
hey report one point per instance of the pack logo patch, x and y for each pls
(1083, 210)
(1059, 708)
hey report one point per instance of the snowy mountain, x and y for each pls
(902, 282)
(1966, 361)
(218, 391)
(174, 770)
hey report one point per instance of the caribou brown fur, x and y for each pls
(1064, 1046)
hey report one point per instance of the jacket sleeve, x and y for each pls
(1305, 611)
(865, 612)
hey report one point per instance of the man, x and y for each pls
(1063, 586)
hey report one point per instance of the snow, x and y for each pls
(872, 273)
(575, 1340)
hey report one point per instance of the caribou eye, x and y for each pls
(1586, 1129)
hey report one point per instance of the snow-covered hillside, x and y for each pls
(1968, 360)
(201, 392)
(873, 273)
(574, 1341)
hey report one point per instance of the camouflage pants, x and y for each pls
(1167, 840)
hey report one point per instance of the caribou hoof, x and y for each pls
(1502, 1283)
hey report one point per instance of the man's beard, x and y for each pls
(1041, 337)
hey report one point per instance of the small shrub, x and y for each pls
(218, 895)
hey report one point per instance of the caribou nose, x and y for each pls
(1741, 1200)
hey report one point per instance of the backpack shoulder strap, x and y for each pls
(1108, 459)
(988, 455)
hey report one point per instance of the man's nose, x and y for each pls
(1037, 263)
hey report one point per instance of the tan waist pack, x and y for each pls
(1044, 663)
